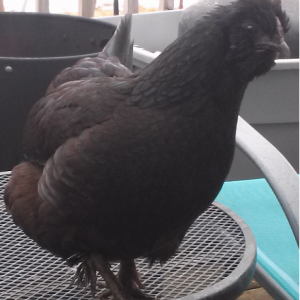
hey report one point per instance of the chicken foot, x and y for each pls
(125, 286)
(130, 280)
(111, 280)
(86, 275)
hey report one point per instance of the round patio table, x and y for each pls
(216, 260)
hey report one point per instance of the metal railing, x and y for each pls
(86, 8)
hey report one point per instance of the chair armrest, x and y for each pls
(280, 175)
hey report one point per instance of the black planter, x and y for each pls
(33, 49)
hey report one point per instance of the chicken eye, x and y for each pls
(251, 29)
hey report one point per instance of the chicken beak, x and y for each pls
(280, 47)
(277, 44)
(283, 49)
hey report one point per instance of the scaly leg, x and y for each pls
(86, 275)
(127, 286)
(112, 282)
(130, 280)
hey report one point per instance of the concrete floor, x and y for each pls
(255, 292)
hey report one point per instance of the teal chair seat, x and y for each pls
(277, 253)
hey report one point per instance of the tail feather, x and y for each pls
(121, 43)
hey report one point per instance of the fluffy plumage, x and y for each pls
(121, 164)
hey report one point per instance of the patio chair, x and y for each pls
(277, 236)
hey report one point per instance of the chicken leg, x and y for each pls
(125, 286)
(130, 281)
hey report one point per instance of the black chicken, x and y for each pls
(121, 164)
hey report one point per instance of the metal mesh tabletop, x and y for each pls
(214, 248)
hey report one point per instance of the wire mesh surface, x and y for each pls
(211, 250)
